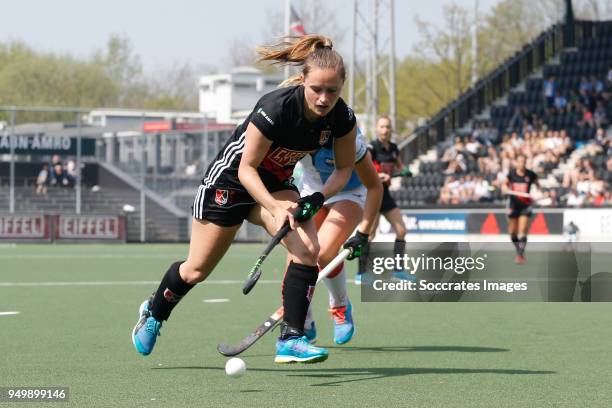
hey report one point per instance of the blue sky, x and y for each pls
(178, 31)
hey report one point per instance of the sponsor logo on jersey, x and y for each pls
(351, 114)
(221, 197)
(325, 134)
(285, 157)
(265, 115)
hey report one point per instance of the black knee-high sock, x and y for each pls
(522, 244)
(399, 248)
(515, 242)
(171, 290)
(298, 288)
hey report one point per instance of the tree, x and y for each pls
(123, 66)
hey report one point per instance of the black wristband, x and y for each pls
(362, 235)
(320, 197)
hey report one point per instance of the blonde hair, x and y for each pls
(308, 51)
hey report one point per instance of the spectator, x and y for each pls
(574, 199)
(42, 180)
(560, 103)
(586, 117)
(597, 85)
(472, 146)
(56, 159)
(71, 169)
(600, 116)
(457, 165)
(60, 177)
(482, 191)
(454, 150)
(549, 91)
(585, 86)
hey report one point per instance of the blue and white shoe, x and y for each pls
(311, 333)
(344, 328)
(403, 275)
(146, 330)
(298, 350)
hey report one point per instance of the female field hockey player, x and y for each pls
(386, 157)
(517, 186)
(358, 201)
(251, 178)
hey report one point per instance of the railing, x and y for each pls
(509, 74)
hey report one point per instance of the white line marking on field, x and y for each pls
(215, 300)
(120, 283)
(8, 313)
(83, 256)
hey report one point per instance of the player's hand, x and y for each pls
(356, 244)
(282, 215)
(384, 178)
(308, 206)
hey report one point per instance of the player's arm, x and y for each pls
(403, 170)
(369, 177)
(255, 149)
(505, 187)
(344, 159)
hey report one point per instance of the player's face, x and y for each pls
(322, 88)
(520, 163)
(383, 129)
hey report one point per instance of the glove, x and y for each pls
(405, 172)
(308, 206)
(357, 244)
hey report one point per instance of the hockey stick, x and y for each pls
(518, 194)
(275, 318)
(255, 272)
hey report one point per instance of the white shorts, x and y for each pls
(311, 183)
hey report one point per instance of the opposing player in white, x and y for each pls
(356, 205)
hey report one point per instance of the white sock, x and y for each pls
(336, 286)
(309, 319)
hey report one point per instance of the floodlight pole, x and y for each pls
(374, 36)
(12, 142)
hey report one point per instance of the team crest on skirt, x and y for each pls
(221, 197)
(325, 134)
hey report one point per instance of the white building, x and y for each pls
(231, 97)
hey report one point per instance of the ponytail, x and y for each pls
(308, 51)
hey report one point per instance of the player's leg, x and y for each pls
(298, 283)
(394, 216)
(513, 232)
(523, 225)
(343, 218)
(310, 328)
(208, 244)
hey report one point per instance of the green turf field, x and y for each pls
(70, 332)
